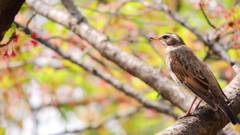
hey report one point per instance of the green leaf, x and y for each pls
(152, 95)
(2, 131)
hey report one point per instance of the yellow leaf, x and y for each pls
(2, 131)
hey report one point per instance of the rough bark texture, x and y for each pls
(8, 11)
(130, 63)
(206, 123)
(127, 89)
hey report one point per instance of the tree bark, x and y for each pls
(207, 122)
(167, 88)
(8, 11)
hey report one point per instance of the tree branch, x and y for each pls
(201, 4)
(215, 46)
(207, 118)
(206, 123)
(168, 89)
(72, 9)
(8, 10)
(128, 90)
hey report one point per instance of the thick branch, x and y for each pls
(148, 74)
(8, 10)
(72, 9)
(131, 64)
(206, 122)
(128, 90)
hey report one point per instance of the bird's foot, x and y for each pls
(188, 114)
(201, 107)
(197, 108)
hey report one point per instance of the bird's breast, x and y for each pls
(172, 48)
(179, 55)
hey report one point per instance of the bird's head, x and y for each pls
(169, 39)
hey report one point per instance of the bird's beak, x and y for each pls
(154, 38)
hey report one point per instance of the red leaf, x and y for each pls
(13, 54)
(34, 35)
(34, 42)
(6, 54)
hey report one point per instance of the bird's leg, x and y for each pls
(198, 105)
(188, 113)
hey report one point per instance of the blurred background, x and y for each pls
(44, 94)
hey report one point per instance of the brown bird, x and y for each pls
(188, 69)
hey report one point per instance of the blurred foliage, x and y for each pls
(43, 79)
(2, 131)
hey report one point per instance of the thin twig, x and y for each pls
(126, 17)
(128, 90)
(215, 46)
(101, 42)
(205, 16)
(111, 13)
(28, 22)
(84, 52)
(13, 36)
(207, 55)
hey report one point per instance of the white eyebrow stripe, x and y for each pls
(175, 36)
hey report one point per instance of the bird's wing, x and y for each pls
(192, 77)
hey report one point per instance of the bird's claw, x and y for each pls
(188, 114)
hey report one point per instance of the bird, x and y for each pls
(187, 69)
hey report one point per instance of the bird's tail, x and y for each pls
(229, 113)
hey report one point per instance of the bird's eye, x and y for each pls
(165, 37)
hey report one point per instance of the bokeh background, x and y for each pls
(43, 93)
